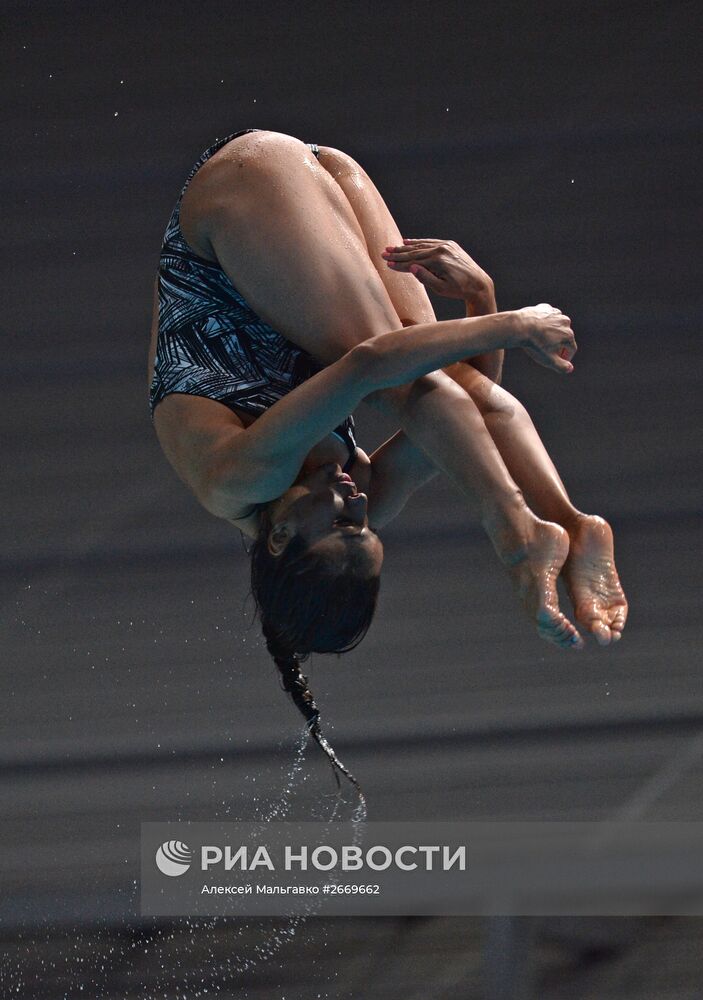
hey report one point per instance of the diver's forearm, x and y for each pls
(490, 364)
(400, 356)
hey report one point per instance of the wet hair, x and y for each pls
(306, 604)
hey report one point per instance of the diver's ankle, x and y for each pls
(509, 523)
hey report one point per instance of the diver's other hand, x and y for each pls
(546, 335)
(443, 267)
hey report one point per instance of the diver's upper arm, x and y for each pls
(230, 468)
(194, 432)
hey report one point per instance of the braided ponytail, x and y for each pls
(295, 683)
(308, 603)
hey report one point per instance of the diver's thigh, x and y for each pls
(284, 232)
(380, 230)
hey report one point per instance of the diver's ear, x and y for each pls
(278, 538)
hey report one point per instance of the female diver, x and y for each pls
(285, 296)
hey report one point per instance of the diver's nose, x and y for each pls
(332, 470)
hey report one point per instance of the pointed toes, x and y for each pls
(559, 630)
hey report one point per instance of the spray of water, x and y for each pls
(186, 959)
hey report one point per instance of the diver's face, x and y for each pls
(326, 509)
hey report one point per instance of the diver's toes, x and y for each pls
(560, 632)
(618, 621)
(600, 632)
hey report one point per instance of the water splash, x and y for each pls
(189, 958)
(181, 959)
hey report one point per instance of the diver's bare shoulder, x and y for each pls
(192, 431)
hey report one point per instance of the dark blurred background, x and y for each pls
(559, 143)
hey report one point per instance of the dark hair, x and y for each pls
(307, 604)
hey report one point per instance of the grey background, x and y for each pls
(559, 143)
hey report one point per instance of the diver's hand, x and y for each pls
(545, 334)
(444, 268)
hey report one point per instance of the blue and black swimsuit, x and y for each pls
(211, 342)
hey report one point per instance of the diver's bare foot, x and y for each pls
(592, 579)
(534, 566)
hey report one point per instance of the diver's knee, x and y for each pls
(342, 166)
(500, 403)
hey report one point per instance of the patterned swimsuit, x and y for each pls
(211, 342)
